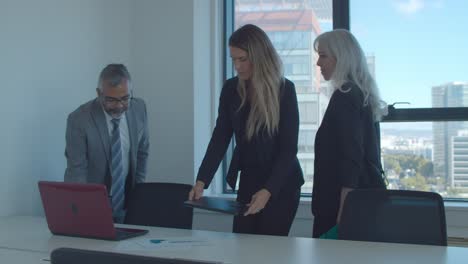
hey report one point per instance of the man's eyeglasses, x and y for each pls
(114, 101)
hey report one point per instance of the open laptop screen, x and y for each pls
(77, 209)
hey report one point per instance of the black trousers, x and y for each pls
(275, 219)
(322, 225)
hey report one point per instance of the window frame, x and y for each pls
(227, 73)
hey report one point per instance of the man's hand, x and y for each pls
(258, 202)
(197, 191)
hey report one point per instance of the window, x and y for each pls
(425, 143)
(308, 112)
(297, 66)
(306, 140)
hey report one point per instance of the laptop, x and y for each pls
(221, 205)
(81, 210)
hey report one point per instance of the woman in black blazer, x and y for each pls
(259, 106)
(346, 148)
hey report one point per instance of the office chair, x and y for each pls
(159, 204)
(396, 216)
(80, 256)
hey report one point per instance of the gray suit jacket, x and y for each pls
(88, 145)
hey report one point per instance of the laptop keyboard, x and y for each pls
(123, 233)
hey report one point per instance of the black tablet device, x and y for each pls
(218, 204)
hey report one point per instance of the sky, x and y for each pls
(417, 44)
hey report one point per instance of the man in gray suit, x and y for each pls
(107, 139)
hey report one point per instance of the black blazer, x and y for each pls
(264, 162)
(345, 144)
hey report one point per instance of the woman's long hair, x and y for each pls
(262, 92)
(351, 66)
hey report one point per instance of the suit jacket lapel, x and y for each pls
(101, 124)
(132, 131)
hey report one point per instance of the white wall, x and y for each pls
(177, 93)
(51, 52)
(173, 43)
(163, 72)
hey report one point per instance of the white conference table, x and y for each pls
(29, 238)
(14, 256)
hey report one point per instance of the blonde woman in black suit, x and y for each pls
(259, 107)
(346, 145)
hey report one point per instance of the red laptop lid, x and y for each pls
(77, 209)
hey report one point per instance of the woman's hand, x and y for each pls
(258, 202)
(197, 191)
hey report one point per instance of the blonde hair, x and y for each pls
(351, 66)
(266, 81)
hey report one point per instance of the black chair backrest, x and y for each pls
(159, 204)
(396, 216)
(81, 256)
